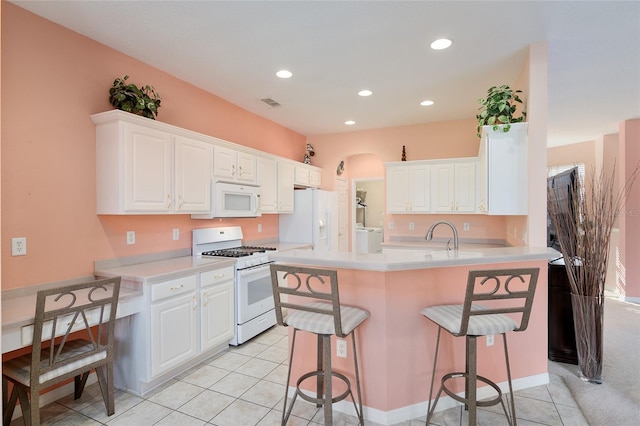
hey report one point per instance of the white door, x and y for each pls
(148, 168)
(173, 332)
(217, 315)
(343, 215)
(192, 176)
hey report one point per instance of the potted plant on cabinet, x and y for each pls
(498, 108)
(143, 101)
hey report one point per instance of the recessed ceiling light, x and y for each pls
(426, 103)
(284, 74)
(441, 43)
(365, 92)
(349, 122)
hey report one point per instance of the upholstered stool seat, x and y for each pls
(505, 294)
(324, 319)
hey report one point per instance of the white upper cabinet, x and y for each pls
(141, 169)
(307, 176)
(229, 164)
(285, 186)
(268, 178)
(408, 188)
(503, 171)
(453, 186)
(192, 171)
(145, 166)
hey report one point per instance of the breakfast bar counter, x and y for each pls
(396, 343)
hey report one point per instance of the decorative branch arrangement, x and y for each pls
(584, 236)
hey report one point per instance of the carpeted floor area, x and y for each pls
(615, 402)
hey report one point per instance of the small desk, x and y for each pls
(19, 307)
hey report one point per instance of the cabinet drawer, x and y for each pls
(217, 276)
(174, 287)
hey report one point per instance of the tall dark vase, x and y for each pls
(588, 314)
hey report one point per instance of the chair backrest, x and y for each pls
(87, 307)
(500, 291)
(303, 285)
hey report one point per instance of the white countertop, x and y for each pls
(409, 259)
(150, 272)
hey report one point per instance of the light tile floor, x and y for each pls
(245, 385)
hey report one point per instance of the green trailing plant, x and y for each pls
(498, 108)
(143, 101)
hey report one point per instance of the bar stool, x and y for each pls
(312, 304)
(502, 291)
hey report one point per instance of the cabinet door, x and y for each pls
(174, 338)
(315, 178)
(397, 189)
(443, 187)
(419, 201)
(217, 315)
(192, 175)
(148, 170)
(268, 178)
(301, 176)
(503, 171)
(246, 166)
(465, 187)
(285, 187)
(224, 162)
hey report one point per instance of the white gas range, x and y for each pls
(254, 310)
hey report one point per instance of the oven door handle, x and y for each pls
(253, 269)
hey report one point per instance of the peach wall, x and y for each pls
(582, 152)
(630, 220)
(53, 80)
(396, 343)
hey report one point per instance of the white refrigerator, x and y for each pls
(314, 220)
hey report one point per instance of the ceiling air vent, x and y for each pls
(270, 102)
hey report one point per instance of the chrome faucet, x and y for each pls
(429, 235)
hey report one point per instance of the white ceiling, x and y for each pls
(336, 48)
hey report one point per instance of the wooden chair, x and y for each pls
(56, 356)
(313, 305)
(501, 292)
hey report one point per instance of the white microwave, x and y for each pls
(232, 200)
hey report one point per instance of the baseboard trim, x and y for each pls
(419, 409)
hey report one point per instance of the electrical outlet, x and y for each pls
(176, 234)
(131, 237)
(341, 348)
(489, 339)
(466, 226)
(259, 227)
(411, 226)
(390, 226)
(19, 246)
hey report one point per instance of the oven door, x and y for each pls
(254, 292)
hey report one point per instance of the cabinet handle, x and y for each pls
(240, 173)
(168, 201)
(218, 276)
(176, 288)
(195, 303)
(205, 299)
(179, 202)
(233, 170)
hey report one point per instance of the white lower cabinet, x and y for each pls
(173, 332)
(183, 321)
(217, 300)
